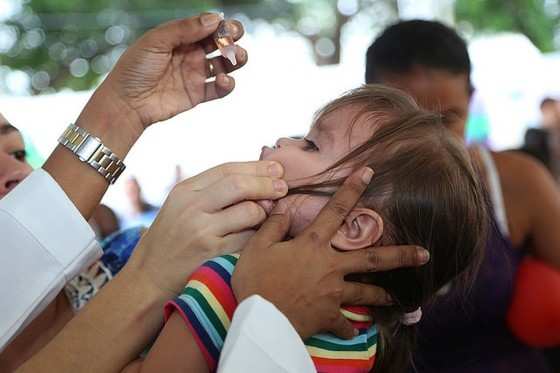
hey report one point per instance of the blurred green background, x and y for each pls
(72, 43)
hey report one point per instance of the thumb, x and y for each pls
(185, 31)
(342, 328)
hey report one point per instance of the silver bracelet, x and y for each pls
(91, 150)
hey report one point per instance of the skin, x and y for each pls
(161, 75)
(531, 198)
(168, 68)
(326, 143)
(13, 166)
(175, 350)
(551, 115)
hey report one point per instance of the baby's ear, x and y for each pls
(362, 228)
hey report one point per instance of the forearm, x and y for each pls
(114, 123)
(110, 332)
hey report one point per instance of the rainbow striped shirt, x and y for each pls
(207, 304)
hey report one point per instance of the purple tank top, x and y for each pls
(469, 334)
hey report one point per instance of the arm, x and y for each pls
(192, 227)
(175, 351)
(534, 204)
(47, 241)
(163, 74)
(545, 216)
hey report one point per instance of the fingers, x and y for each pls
(235, 242)
(256, 168)
(377, 259)
(267, 205)
(358, 294)
(185, 31)
(236, 29)
(333, 214)
(236, 188)
(273, 230)
(222, 65)
(221, 87)
(238, 217)
(342, 328)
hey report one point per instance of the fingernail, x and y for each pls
(275, 170)
(367, 174)
(210, 19)
(280, 186)
(423, 255)
(356, 332)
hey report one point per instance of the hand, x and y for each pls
(163, 74)
(205, 216)
(304, 277)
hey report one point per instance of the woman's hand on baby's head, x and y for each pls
(208, 215)
(305, 277)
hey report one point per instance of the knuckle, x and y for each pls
(313, 239)
(338, 209)
(333, 317)
(237, 183)
(407, 256)
(374, 260)
(226, 169)
(355, 186)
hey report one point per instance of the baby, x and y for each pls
(424, 192)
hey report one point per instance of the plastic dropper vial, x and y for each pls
(224, 41)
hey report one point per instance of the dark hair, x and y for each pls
(428, 194)
(417, 43)
(547, 101)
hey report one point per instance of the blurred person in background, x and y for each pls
(543, 143)
(13, 165)
(430, 61)
(141, 212)
(104, 222)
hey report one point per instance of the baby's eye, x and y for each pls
(20, 155)
(310, 146)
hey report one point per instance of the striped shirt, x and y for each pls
(207, 304)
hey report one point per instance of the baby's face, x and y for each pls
(329, 140)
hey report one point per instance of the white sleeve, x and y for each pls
(261, 339)
(44, 243)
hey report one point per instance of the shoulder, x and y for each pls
(518, 169)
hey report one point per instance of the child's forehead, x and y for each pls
(342, 122)
(337, 119)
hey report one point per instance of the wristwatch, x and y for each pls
(91, 150)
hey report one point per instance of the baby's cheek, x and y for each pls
(302, 209)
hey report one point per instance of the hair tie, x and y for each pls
(412, 318)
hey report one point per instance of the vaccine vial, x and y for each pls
(224, 41)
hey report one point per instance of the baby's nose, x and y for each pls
(283, 141)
